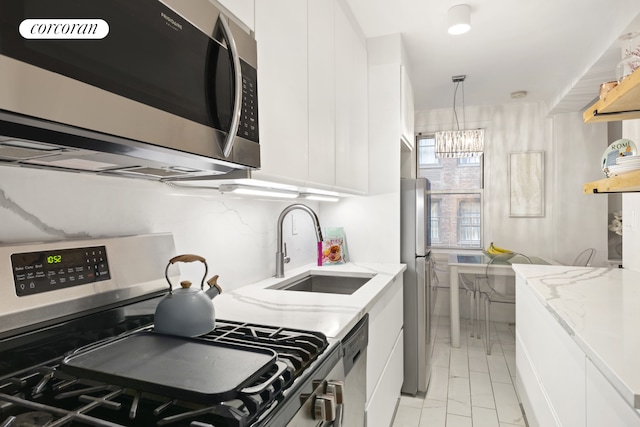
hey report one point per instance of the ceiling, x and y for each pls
(559, 51)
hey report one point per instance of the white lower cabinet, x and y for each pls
(605, 407)
(385, 356)
(382, 404)
(557, 384)
(556, 362)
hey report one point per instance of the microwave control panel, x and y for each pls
(248, 127)
(50, 270)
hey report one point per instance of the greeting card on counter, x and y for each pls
(334, 246)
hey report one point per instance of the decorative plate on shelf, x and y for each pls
(620, 148)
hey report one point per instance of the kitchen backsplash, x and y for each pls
(236, 236)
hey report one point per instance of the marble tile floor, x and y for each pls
(467, 388)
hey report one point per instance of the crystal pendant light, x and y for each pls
(459, 143)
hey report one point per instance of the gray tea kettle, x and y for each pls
(187, 311)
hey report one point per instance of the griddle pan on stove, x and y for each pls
(183, 368)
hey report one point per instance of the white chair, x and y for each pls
(583, 259)
(491, 294)
(470, 287)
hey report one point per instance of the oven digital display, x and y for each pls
(54, 259)
(44, 271)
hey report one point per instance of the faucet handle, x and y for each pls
(286, 258)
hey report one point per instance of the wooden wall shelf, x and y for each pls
(626, 183)
(620, 103)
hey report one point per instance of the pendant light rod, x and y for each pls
(457, 80)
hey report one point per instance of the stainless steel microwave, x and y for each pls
(170, 92)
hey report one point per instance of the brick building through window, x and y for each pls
(456, 196)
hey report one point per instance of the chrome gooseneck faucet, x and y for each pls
(281, 254)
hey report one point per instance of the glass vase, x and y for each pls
(631, 60)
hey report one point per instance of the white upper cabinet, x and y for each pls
(406, 110)
(242, 9)
(283, 110)
(351, 70)
(322, 96)
(312, 94)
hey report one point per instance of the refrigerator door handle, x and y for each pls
(421, 218)
(422, 298)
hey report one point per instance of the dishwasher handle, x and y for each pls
(355, 343)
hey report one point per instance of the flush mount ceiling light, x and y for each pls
(459, 18)
(519, 94)
(459, 143)
(257, 191)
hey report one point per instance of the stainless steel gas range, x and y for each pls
(64, 303)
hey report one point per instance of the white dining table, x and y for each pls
(473, 263)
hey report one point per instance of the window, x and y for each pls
(469, 221)
(427, 153)
(469, 161)
(456, 197)
(434, 224)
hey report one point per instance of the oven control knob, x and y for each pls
(336, 389)
(324, 408)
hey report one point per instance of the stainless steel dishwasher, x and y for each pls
(354, 359)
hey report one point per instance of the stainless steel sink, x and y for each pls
(345, 285)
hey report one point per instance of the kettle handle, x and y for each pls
(186, 258)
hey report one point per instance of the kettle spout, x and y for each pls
(214, 289)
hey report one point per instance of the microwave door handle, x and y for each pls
(237, 102)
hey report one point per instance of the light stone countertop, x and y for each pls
(600, 310)
(332, 314)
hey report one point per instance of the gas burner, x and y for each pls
(299, 348)
(63, 400)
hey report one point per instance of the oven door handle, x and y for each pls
(282, 367)
(339, 413)
(337, 421)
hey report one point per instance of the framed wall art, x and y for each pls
(526, 184)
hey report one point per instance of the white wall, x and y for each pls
(236, 236)
(373, 222)
(573, 151)
(631, 210)
(580, 220)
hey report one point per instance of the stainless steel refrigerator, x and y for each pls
(418, 298)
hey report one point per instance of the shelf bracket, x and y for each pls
(597, 114)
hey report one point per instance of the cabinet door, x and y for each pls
(351, 103)
(407, 110)
(385, 322)
(382, 404)
(562, 371)
(242, 9)
(281, 35)
(605, 407)
(322, 99)
(555, 359)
